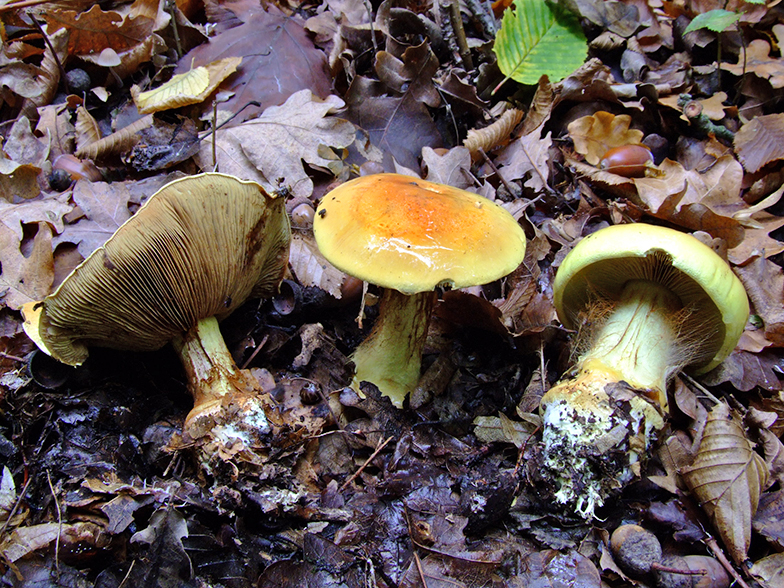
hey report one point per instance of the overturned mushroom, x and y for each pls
(655, 301)
(410, 236)
(190, 256)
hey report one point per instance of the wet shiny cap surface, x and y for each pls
(404, 233)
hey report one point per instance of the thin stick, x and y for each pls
(59, 524)
(364, 465)
(719, 555)
(457, 26)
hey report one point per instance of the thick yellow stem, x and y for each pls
(216, 383)
(391, 356)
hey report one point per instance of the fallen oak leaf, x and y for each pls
(25, 278)
(727, 478)
(273, 146)
(596, 134)
(96, 29)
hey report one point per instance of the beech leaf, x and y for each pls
(727, 477)
(188, 88)
(539, 38)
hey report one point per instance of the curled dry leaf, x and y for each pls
(727, 477)
(184, 89)
(594, 135)
(493, 135)
(118, 142)
(87, 129)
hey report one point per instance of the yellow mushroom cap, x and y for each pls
(412, 235)
(603, 262)
(199, 247)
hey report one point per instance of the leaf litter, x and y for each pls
(350, 491)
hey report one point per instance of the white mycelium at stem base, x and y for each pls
(219, 388)
(656, 301)
(637, 344)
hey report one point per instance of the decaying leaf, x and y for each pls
(727, 477)
(310, 267)
(278, 60)
(760, 141)
(757, 60)
(270, 149)
(594, 135)
(96, 29)
(118, 142)
(25, 278)
(529, 154)
(184, 89)
(494, 134)
(413, 74)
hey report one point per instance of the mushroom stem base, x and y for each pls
(226, 400)
(391, 356)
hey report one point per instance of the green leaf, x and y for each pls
(539, 38)
(717, 20)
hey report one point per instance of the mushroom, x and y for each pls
(196, 250)
(656, 301)
(410, 236)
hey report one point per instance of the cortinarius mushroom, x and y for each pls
(658, 301)
(410, 236)
(190, 256)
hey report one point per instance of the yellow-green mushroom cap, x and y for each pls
(603, 262)
(199, 247)
(412, 235)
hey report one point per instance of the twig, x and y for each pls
(59, 525)
(60, 67)
(364, 465)
(420, 570)
(457, 26)
(719, 555)
(171, 8)
(12, 357)
(15, 507)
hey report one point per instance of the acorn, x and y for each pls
(629, 161)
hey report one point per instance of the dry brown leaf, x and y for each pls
(279, 59)
(25, 278)
(411, 75)
(698, 201)
(270, 149)
(727, 478)
(184, 89)
(118, 142)
(95, 30)
(769, 571)
(528, 154)
(757, 60)
(760, 141)
(310, 267)
(18, 180)
(494, 134)
(594, 135)
(452, 168)
(130, 60)
(87, 129)
(49, 73)
(764, 283)
(54, 123)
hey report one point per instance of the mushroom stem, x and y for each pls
(613, 407)
(215, 382)
(638, 342)
(391, 356)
